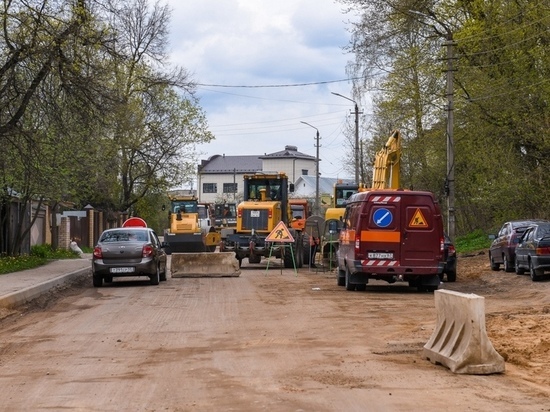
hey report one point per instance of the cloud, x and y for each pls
(253, 43)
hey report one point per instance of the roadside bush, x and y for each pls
(39, 256)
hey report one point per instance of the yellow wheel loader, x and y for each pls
(265, 205)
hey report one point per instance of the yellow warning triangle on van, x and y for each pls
(280, 234)
(418, 220)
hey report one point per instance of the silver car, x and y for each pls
(128, 251)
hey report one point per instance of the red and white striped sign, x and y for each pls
(386, 199)
(379, 262)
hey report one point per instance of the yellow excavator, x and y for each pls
(385, 175)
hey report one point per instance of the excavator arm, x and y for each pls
(387, 163)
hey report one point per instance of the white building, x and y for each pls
(220, 177)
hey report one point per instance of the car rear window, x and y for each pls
(123, 236)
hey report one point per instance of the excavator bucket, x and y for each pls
(198, 265)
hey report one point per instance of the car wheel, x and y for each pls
(349, 286)
(494, 266)
(534, 273)
(97, 280)
(519, 270)
(507, 266)
(155, 279)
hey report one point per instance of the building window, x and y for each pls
(304, 172)
(230, 188)
(209, 188)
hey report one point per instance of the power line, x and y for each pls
(277, 85)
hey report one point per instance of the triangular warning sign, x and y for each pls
(418, 220)
(280, 234)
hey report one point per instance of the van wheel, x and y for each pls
(361, 287)
(341, 278)
(451, 276)
(349, 286)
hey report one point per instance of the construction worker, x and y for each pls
(313, 246)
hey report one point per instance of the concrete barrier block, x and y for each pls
(196, 265)
(460, 340)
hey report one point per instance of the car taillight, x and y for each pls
(239, 213)
(147, 251)
(358, 254)
(543, 250)
(97, 253)
(452, 250)
(442, 245)
(269, 214)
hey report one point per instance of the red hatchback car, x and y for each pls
(503, 249)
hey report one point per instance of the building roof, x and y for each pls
(230, 164)
(290, 152)
(326, 184)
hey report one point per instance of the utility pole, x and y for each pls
(317, 145)
(450, 179)
(450, 182)
(356, 151)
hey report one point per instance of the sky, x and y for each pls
(295, 46)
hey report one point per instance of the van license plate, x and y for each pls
(379, 255)
(122, 270)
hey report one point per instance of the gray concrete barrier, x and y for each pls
(215, 264)
(460, 340)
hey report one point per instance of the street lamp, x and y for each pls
(356, 136)
(316, 207)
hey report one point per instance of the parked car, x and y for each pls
(450, 261)
(502, 249)
(533, 251)
(128, 251)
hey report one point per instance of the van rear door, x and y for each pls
(401, 229)
(422, 232)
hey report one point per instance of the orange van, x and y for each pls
(391, 235)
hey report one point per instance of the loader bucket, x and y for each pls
(198, 265)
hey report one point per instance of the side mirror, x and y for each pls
(291, 188)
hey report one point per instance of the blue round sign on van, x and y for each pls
(382, 217)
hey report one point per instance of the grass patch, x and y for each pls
(39, 256)
(472, 242)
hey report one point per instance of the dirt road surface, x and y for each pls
(269, 341)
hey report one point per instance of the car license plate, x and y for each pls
(379, 255)
(254, 213)
(122, 270)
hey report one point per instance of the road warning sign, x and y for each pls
(280, 234)
(418, 220)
